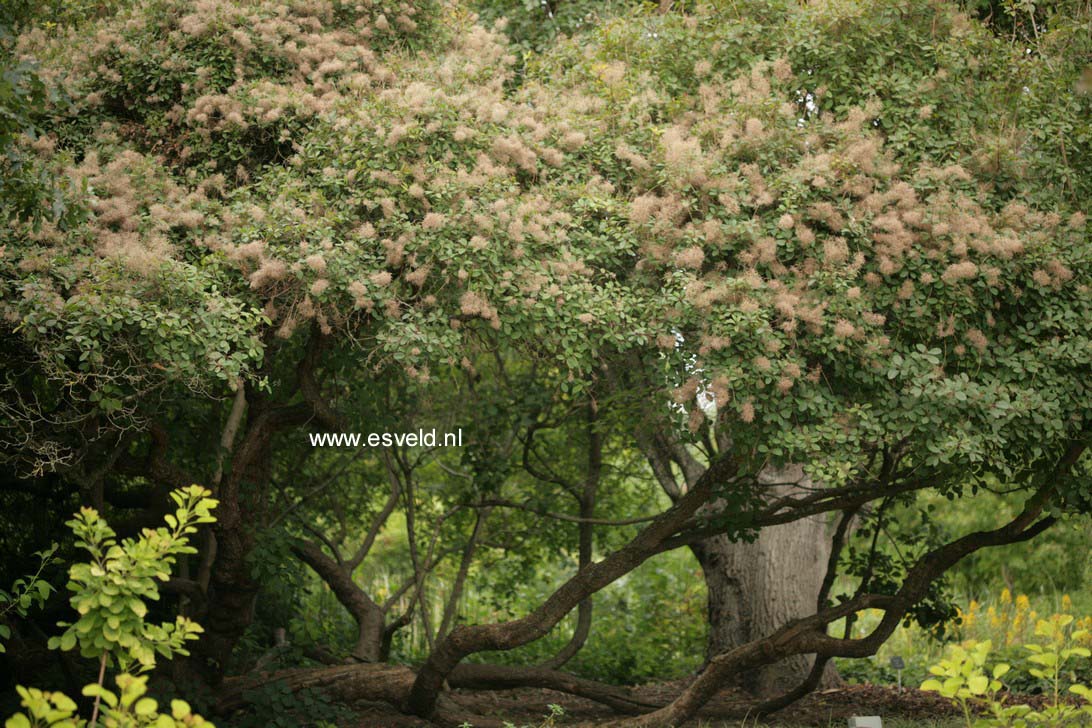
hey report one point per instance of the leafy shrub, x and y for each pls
(964, 677)
(28, 189)
(1007, 621)
(235, 83)
(109, 594)
(127, 708)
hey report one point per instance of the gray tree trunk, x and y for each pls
(755, 588)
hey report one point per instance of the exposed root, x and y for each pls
(376, 682)
(346, 683)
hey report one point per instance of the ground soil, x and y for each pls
(824, 708)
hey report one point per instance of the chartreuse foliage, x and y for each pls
(110, 593)
(111, 590)
(1007, 621)
(964, 677)
(126, 708)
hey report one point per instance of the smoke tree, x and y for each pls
(796, 278)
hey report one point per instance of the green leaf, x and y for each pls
(180, 709)
(978, 684)
(95, 690)
(145, 707)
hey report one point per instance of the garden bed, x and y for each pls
(529, 707)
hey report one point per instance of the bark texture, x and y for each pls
(755, 588)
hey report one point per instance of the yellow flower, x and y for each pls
(1067, 603)
(1006, 596)
(1023, 604)
(1016, 630)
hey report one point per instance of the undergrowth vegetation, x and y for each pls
(971, 675)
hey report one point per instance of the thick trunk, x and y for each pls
(755, 588)
(231, 595)
(232, 590)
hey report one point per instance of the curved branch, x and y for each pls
(837, 543)
(586, 540)
(808, 635)
(833, 499)
(377, 524)
(451, 607)
(467, 640)
(807, 686)
(365, 611)
(528, 450)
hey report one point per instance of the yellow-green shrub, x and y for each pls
(109, 594)
(127, 708)
(965, 677)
